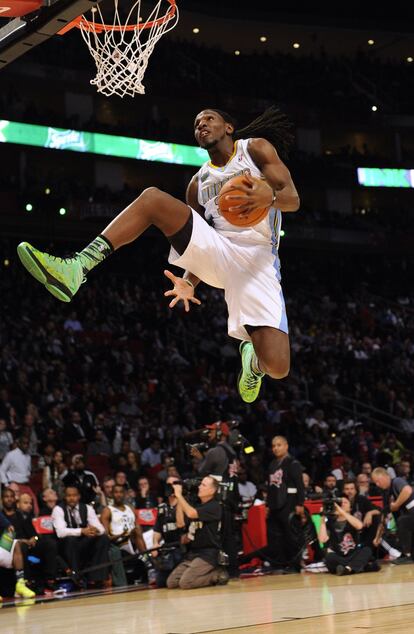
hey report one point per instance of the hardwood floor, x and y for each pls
(378, 602)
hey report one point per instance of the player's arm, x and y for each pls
(277, 189)
(184, 286)
(191, 198)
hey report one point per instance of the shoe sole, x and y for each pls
(241, 346)
(42, 275)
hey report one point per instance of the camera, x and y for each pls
(201, 446)
(190, 486)
(328, 503)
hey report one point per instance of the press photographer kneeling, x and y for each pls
(339, 531)
(200, 564)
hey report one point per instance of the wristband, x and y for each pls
(188, 282)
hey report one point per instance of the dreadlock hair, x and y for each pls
(273, 125)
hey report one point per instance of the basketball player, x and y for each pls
(242, 260)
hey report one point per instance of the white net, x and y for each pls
(122, 49)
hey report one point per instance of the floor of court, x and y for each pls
(380, 602)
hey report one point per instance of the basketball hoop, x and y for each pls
(121, 50)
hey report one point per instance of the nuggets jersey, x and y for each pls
(210, 181)
(121, 521)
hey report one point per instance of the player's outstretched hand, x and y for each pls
(181, 292)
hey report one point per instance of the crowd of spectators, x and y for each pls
(104, 392)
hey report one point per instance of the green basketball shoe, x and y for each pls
(249, 382)
(61, 276)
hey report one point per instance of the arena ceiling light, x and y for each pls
(296, 45)
(196, 30)
(371, 42)
(263, 38)
(410, 59)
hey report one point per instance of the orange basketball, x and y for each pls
(231, 187)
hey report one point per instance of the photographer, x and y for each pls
(363, 509)
(220, 461)
(339, 530)
(166, 531)
(398, 499)
(200, 565)
(219, 456)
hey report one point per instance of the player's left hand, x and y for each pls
(181, 292)
(257, 194)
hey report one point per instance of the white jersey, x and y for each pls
(210, 181)
(121, 521)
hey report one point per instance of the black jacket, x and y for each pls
(285, 482)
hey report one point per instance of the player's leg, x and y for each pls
(272, 351)
(18, 564)
(63, 276)
(267, 353)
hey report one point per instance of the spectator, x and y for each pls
(54, 473)
(152, 455)
(311, 492)
(85, 481)
(365, 486)
(20, 515)
(6, 439)
(247, 490)
(17, 464)
(100, 446)
(82, 538)
(199, 567)
(145, 498)
(330, 485)
(73, 323)
(49, 500)
(133, 468)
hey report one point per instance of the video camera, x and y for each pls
(329, 499)
(190, 486)
(235, 438)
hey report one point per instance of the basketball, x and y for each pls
(231, 187)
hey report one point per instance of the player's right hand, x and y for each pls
(181, 292)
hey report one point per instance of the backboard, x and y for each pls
(26, 23)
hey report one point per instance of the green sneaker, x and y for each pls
(249, 382)
(61, 276)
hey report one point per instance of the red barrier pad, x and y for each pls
(146, 517)
(43, 525)
(254, 530)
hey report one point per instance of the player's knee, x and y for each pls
(153, 194)
(276, 368)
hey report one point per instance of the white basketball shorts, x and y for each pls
(245, 271)
(6, 556)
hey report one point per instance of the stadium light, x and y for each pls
(237, 52)
(47, 191)
(196, 30)
(282, 233)
(29, 207)
(296, 45)
(410, 59)
(6, 262)
(374, 108)
(62, 211)
(263, 38)
(371, 42)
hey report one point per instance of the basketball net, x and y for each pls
(121, 50)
